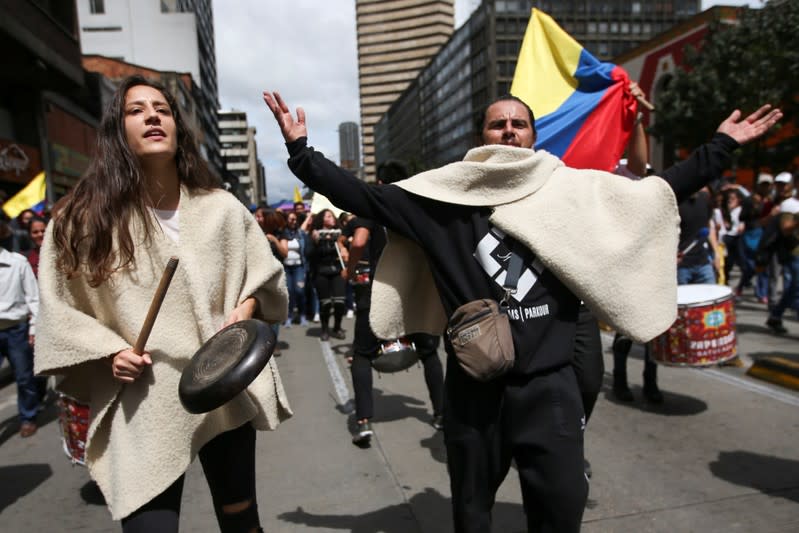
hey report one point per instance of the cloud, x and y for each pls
(305, 49)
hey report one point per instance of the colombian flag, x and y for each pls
(32, 196)
(584, 109)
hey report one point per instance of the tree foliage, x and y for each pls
(739, 66)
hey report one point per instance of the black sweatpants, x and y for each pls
(534, 420)
(365, 348)
(228, 462)
(588, 363)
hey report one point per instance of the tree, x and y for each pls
(738, 66)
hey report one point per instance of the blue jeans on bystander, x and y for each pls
(295, 282)
(14, 345)
(696, 274)
(790, 290)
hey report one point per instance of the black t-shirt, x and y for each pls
(695, 214)
(377, 239)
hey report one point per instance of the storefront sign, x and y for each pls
(19, 163)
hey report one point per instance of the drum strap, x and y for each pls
(515, 265)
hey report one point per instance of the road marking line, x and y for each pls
(748, 385)
(339, 384)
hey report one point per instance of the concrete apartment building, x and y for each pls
(396, 39)
(438, 117)
(349, 147)
(240, 155)
(164, 35)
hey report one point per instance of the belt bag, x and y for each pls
(480, 334)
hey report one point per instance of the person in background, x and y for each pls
(36, 229)
(344, 220)
(19, 309)
(22, 240)
(328, 259)
(730, 228)
(301, 212)
(293, 239)
(368, 241)
(780, 244)
(272, 223)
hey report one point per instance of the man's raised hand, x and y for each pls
(290, 128)
(752, 127)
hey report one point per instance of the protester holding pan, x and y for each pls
(146, 197)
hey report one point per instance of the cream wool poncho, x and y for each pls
(140, 438)
(612, 241)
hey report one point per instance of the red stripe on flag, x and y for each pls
(603, 137)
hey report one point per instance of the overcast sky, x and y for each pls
(306, 50)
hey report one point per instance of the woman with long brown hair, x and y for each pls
(147, 196)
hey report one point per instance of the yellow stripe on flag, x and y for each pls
(548, 59)
(33, 193)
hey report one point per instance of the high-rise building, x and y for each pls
(165, 35)
(396, 39)
(240, 154)
(609, 28)
(438, 117)
(349, 147)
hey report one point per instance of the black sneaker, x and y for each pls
(325, 336)
(363, 433)
(775, 324)
(652, 393)
(339, 333)
(438, 422)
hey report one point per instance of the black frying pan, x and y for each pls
(225, 365)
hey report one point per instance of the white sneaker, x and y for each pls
(316, 318)
(350, 314)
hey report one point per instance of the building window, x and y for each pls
(97, 7)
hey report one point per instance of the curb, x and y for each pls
(777, 370)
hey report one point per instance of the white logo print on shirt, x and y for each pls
(493, 256)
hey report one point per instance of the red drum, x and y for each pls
(704, 332)
(396, 355)
(74, 419)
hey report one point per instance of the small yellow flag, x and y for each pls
(297, 195)
(29, 197)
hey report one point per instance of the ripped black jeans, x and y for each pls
(228, 461)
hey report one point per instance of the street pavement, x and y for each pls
(719, 455)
